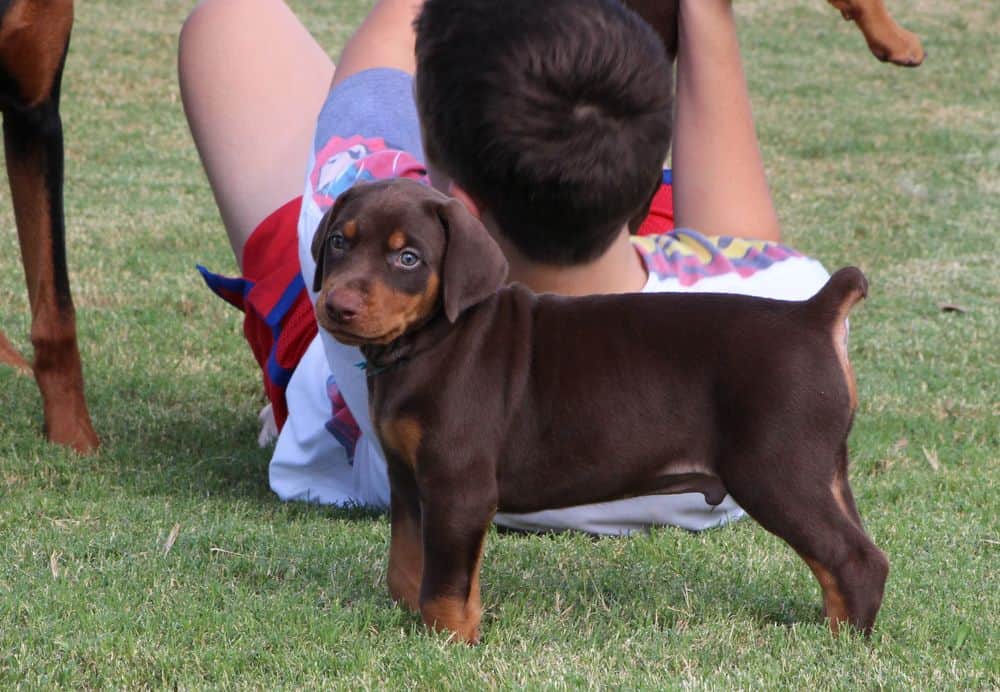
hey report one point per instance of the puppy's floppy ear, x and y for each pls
(474, 267)
(326, 225)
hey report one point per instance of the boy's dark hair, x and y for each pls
(554, 114)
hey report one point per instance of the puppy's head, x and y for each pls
(390, 255)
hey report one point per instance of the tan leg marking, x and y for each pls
(834, 603)
(837, 489)
(455, 615)
(451, 615)
(402, 437)
(406, 563)
(475, 603)
(838, 495)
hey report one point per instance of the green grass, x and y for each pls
(896, 171)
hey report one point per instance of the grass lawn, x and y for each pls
(897, 171)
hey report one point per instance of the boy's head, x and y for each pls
(554, 115)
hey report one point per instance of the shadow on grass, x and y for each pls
(666, 580)
(171, 436)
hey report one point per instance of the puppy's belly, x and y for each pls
(562, 480)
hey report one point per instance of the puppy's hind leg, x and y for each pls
(814, 513)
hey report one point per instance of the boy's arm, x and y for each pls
(719, 182)
(384, 39)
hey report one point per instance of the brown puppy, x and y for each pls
(490, 398)
(887, 40)
(34, 36)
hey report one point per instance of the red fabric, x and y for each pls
(661, 213)
(271, 263)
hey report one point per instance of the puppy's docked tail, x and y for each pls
(842, 292)
(829, 308)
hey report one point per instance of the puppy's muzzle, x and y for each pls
(344, 305)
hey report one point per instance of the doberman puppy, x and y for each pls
(34, 37)
(887, 40)
(481, 406)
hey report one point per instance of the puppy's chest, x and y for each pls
(468, 386)
(452, 383)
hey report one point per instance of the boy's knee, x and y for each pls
(209, 17)
(200, 19)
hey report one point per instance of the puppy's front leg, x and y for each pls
(454, 533)
(406, 546)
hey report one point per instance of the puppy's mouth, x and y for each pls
(350, 337)
(376, 321)
(345, 337)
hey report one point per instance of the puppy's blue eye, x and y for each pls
(407, 259)
(337, 241)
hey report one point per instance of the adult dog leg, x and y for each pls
(33, 40)
(887, 40)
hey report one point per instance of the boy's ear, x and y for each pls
(474, 267)
(471, 205)
(326, 225)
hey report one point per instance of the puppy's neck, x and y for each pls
(412, 343)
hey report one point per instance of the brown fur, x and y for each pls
(481, 395)
(886, 39)
(405, 561)
(834, 603)
(403, 436)
(34, 35)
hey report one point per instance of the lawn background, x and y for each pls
(897, 171)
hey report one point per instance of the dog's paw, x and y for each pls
(905, 49)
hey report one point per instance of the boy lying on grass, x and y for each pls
(550, 121)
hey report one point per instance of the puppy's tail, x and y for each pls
(842, 292)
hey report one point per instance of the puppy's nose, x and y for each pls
(343, 305)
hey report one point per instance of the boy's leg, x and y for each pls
(719, 182)
(384, 39)
(252, 81)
